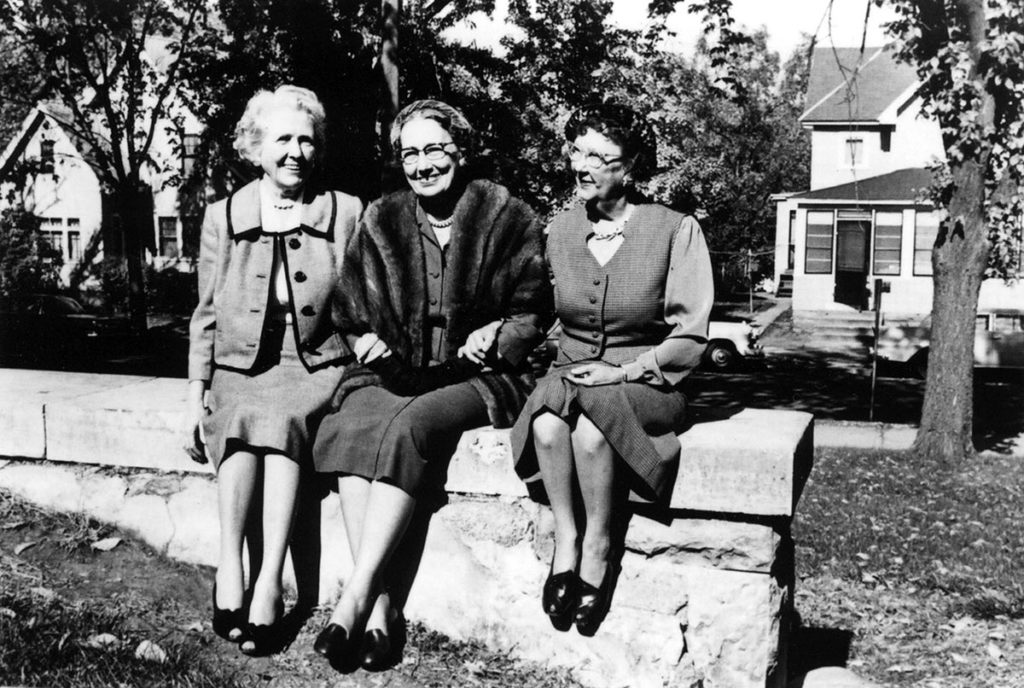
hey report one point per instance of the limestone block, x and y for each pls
(482, 464)
(193, 514)
(733, 623)
(147, 515)
(102, 496)
(505, 523)
(754, 462)
(43, 484)
(652, 585)
(135, 424)
(736, 545)
(832, 677)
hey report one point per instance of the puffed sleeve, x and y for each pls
(204, 321)
(689, 295)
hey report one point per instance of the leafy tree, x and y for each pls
(969, 60)
(117, 96)
(28, 263)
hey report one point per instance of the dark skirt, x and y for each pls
(382, 436)
(273, 409)
(640, 421)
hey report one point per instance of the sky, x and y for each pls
(785, 21)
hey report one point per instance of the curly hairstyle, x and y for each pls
(450, 118)
(625, 127)
(250, 128)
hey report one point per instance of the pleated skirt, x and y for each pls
(274, 409)
(641, 423)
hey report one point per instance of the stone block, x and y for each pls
(102, 496)
(736, 545)
(193, 513)
(832, 677)
(43, 484)
(754, 462)
(149, 518)
(734, 627)
(482, 464)
(135, 425)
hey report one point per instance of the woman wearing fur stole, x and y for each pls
(449, 290)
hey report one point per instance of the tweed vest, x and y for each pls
(612, 312)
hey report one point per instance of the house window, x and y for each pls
(888, 238)
(189, 152)
(74, 239)
(168, 237)
(46, 157)
(51, 230)
(853, 152)
(818, 250)
(926, 229)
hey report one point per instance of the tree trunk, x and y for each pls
(959, 259)
(134, 210)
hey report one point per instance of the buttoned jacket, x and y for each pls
(235, 272)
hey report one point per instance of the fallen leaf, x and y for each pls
(45, 593)
(997, 635)
(994, 651)
(102, 640)
(106, 544)
(13, 524)
(195, 627)
(960, 625)
(150, 652)
(18, 549)
(9, 613)
(958, 658)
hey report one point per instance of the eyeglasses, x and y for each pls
(431, 151)
(594, 161)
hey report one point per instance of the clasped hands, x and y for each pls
(369, 347)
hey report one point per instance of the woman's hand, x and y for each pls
(594, 374)
(191, 425)
(479, 342)
(370, 347)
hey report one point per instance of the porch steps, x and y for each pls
(785, 287)
(839, 330)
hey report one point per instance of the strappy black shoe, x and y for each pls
(560, 598)
(227, 620)
(594, 603)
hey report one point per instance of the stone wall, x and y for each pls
(702, 600)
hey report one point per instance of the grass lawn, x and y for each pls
(74, 614)
(916, 567)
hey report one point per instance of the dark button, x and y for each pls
(593, 299)
(435, 274)
(300, 276)
(595, 335)
(294, 243)
(308, 311)
(597, 282)
(433, 302)
(592, 318)
(593, 349)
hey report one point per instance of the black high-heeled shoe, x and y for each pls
(594, 603)
(227, 620)
(265, 638)
(337, 645)
(381, 648)
(560, 597)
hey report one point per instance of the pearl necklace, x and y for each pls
(283, 206)
(440, 224)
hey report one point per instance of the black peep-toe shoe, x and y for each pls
(594, 603)
(227, 620)
(560, 597)
(265, 638)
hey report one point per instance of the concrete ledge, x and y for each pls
(864, 435)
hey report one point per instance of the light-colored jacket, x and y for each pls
(235, 262)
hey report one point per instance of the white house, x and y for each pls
(866, 214)
(66, 194)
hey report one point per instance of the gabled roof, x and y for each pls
(902, 185)
(847, 85)
(58, 114)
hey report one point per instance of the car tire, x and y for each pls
(918, 364)
(720, 356)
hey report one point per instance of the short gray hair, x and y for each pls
(450, 118)
(249, 130)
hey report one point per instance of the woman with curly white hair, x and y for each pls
(264, 357)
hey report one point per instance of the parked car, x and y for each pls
(998, 342)
(730, 341)
(51, 327)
